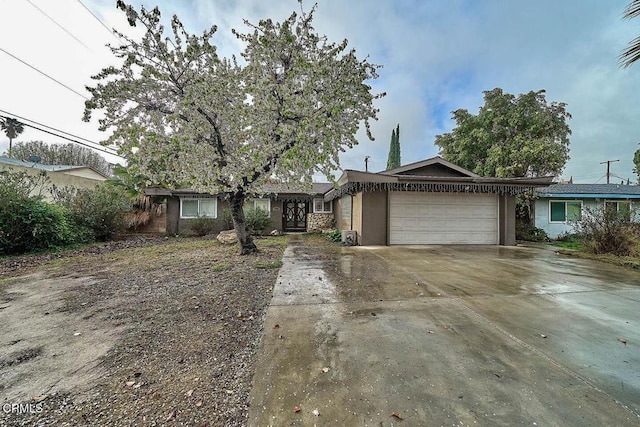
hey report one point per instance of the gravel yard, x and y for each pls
(145, 331)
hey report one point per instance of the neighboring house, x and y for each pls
(58, 175)
(289, 210)
(429, 202)
(558, 206)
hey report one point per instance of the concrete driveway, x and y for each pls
(451, 336)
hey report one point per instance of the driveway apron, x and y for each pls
(452, 336)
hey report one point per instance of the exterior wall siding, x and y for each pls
(507, 220)
(182, 226)
(374, 218)
(342, 222)
(356, 206)
(556, 229)
(59, 179)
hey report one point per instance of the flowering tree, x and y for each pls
(183, 116)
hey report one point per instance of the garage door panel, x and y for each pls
(443, 218)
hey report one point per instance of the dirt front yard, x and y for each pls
(149, 331)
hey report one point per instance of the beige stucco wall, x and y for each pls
(356, 224)
(59, 179)
(83, 173)
(342, 223)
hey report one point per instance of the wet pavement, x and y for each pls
(448, 335)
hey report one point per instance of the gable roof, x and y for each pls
(438, 179)
(437, 160)
(590, 191)
(48, 168)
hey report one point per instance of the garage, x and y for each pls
(430, 202)
(419, 218)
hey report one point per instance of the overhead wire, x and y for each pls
(104, 150)
(54, 129)
(99, 20)
(44, 74)
(46, 128)
(58, 24)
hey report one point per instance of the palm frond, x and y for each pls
(632, 10)
(631, 54)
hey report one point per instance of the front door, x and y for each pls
(295, 216)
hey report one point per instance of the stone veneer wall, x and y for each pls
(319, 221)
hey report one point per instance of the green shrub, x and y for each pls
(227, 219)
(27, 223)
(203, 225)
(530, 233)
(31, 225)
(99, 213)
(257, 220)
(335, 236)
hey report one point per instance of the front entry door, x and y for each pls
(295, 216)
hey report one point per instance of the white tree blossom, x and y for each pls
(183, 116)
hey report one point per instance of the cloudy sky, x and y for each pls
(438, 56)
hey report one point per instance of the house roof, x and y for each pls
(48, 168)
(435, 175)
(429, 162)
(282, 188)
(598, 191)
(318, 188)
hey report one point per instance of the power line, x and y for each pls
(59, 26)
(99, 20)
(64, 137)
(44, 74)
(608, 162)
(55, 129)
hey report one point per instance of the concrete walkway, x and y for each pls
(451, 336)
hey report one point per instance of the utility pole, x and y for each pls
(366, 163)
(608, 162)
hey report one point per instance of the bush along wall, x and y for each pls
(30, 224)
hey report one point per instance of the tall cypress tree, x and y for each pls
(393, 161)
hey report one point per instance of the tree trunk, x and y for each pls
(247, 246)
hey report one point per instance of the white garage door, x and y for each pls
(442, 218)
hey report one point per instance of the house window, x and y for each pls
(622, 208)
(346, 208)
(193, 208)
(320, 206)
(262, 204)
(565, 211)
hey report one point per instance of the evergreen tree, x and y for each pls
(393, 161)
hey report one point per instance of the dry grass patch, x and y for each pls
(192, 314)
